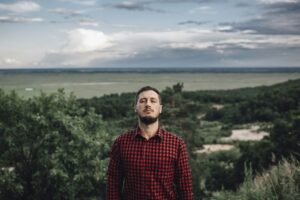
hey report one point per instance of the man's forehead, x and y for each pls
(148, 94)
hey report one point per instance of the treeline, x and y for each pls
(276, 102)
(56, 146)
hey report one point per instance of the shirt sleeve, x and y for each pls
(114, 174)
(183, 180)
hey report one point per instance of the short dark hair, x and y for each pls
(147, 88)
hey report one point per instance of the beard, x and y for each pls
(147, 120)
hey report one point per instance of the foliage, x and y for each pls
(56, 147)
(280, 182)
(51, 148)
(213, 172)
(285, 135)
(112, 106)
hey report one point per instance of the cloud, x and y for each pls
(277, 1)
(134, 6)
(192, 22)
(21, 6)
(226, 28)
(86, 47)
(180, 1)
(88, 22)
(279, 17)
(79, 15)
(242, 4)
(64, 11)
(85, 40)
(9, 61)
(232, 56)
(82, 46)
(13, 19)
(129, 5)
(69, 13)
(202, 9)
(82, 2)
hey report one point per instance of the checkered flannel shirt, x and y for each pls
(154, 169)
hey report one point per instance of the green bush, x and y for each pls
(281, 182)
(50, 148)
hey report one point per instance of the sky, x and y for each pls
(149, 33)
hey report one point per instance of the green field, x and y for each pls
(96, 84)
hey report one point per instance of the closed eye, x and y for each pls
(142, 100)
(153, 100)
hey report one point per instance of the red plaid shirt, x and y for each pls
(155, 169)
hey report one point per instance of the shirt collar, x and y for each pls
(138, 133)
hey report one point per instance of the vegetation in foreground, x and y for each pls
(280, 182)
(56, 146)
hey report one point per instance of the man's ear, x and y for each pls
(160, 108)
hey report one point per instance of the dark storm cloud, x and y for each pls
(278, 18)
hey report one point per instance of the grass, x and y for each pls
(210, 131)
(281, 182)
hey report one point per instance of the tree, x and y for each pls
(51, 148)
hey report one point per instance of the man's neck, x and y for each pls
(148, 131)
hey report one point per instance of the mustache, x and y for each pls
(148, 109)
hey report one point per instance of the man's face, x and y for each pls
(148, 106)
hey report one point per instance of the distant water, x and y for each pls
(158, 70)
(87, 83)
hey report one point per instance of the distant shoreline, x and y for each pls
(87, 85)
(156, 70)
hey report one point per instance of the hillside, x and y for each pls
(50, 141)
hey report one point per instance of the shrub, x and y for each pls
(280, 182)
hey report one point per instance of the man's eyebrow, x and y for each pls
(151, 98)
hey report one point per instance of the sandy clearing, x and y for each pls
(252, 134)
(209, 148)
(217, 106)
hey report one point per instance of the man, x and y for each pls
(149, 162)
